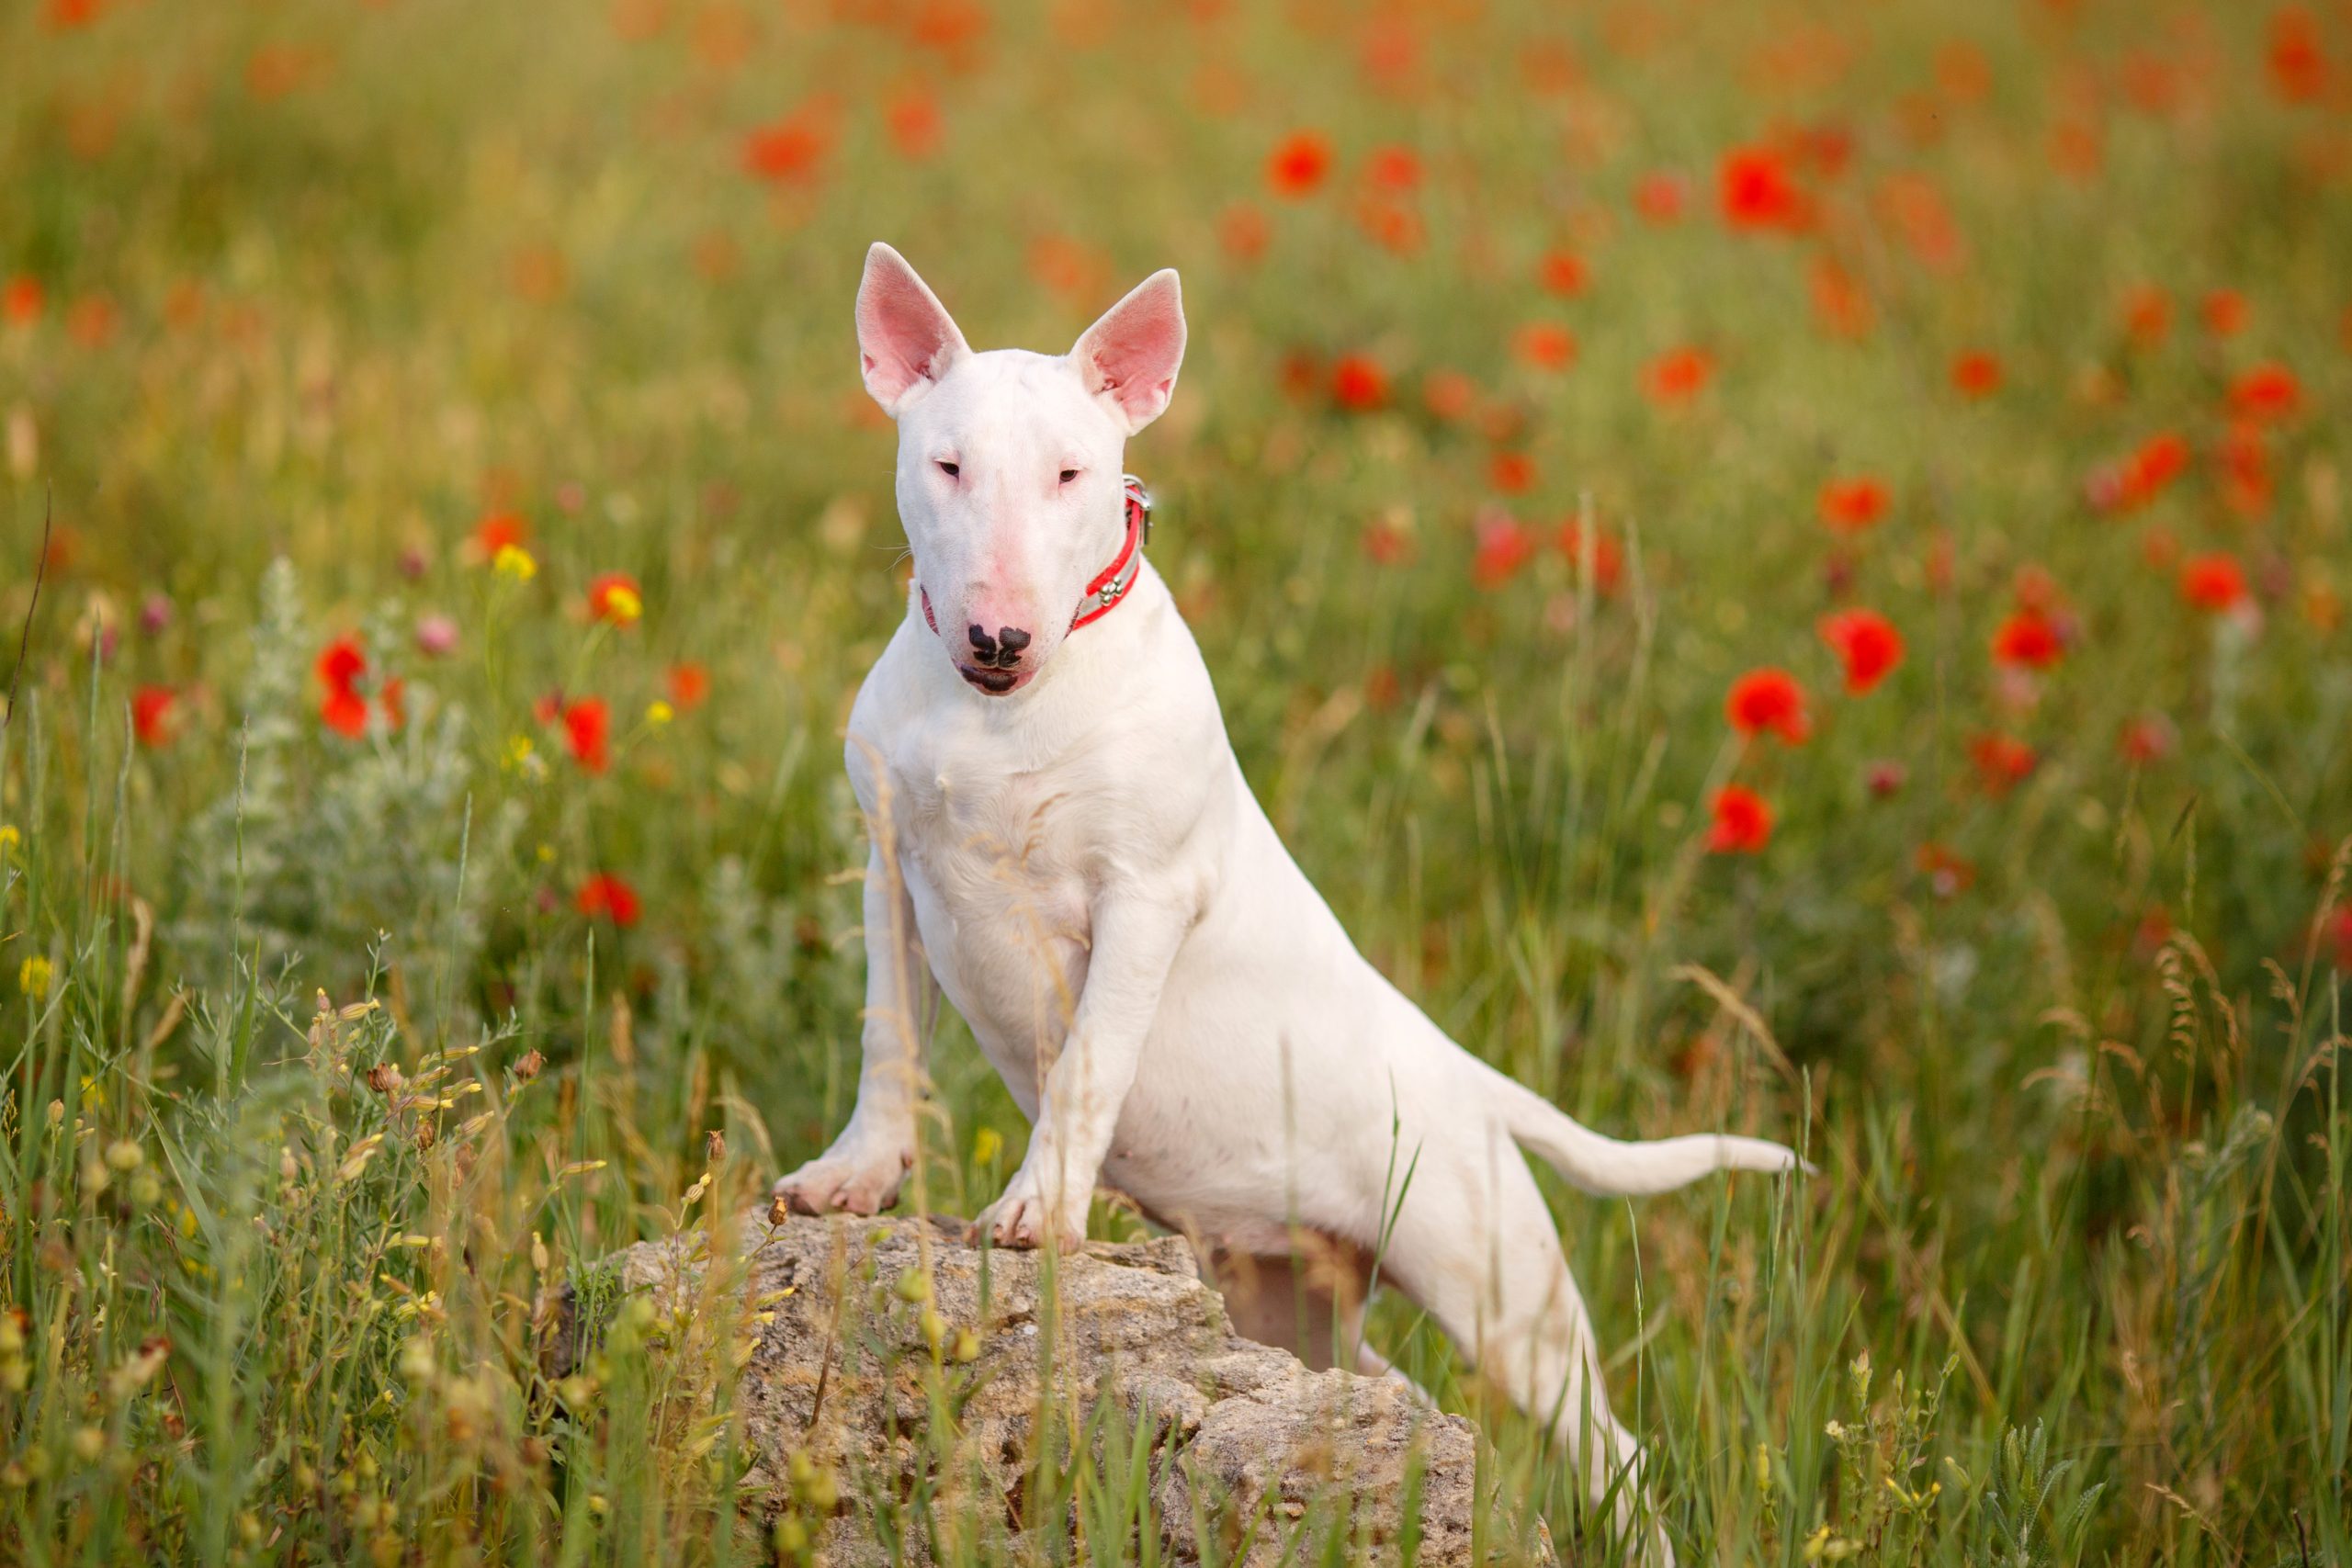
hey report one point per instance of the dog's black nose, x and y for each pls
(1001, 651)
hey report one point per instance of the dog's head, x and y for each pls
(1009, 462)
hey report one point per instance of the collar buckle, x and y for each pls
(1140, 497)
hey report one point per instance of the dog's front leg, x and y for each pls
(863, 1169)
(1134, 940)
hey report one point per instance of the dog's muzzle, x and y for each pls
(994, 667)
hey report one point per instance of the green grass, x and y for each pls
(324, 283)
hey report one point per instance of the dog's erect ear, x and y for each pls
(906, 339)
(1129, 358)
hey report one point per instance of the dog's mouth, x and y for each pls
(995, 683)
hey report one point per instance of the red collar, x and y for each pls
(1110, 586)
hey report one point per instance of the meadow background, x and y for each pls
(1782, 567)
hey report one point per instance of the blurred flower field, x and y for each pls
(1781, 565)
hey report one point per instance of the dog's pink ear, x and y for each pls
(1131, 355)
(906, 340)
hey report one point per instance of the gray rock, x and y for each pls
(882, 1411)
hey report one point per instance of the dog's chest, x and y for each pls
(996, 860)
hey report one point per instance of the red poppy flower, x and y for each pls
(343, 710)
(1395, 168)
(1756, 191)
(1659, 197)
(951, 29)
(2143, 476)
(1938, 562)
(91, 320)
(1301, 377)
(1608, 555)
(498, 530)
(2147, 315)
(1395, 227)
(1068, 267)
(1852, 505)
(914, 124)
(607, 895)
(2077, 148)
(614, 598)
(2244, 459)
(1299, 163)
(1827, 149)
(2267, 391)
(1511, 473)
(342, 663)
(2147, 737)
(1920, 215)
(1547, 345)
(1743, 821)
(1505, 543)
(2225, 313)
(1384, 544)
(2341, 927)
(21, 302)
(2035, 589)
(1769, 699)
(1841, 303)
(1866, 643)
(689, 685)
(2003, 762)
(2029, 638)
(2297, 68)
(1244, 231)
(1678, 376)
(1562, 272)
(788, 151)
(151, 715)
(1963, 72)
(1359, 384)
(2161, 459)
(1976, 373)
(1449, 395)
(2212, 582)
(588, 729)
(346, 713)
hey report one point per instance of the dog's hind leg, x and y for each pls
(1475, 1247)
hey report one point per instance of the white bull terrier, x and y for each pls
(1065, 846)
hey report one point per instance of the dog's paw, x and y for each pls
(1025, 1218)
(859, 1176)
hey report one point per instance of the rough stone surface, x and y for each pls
(1250, 1446)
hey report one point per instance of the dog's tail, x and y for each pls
(1609, 1167)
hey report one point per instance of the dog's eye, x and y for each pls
(1068, 474)
(950, 469)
